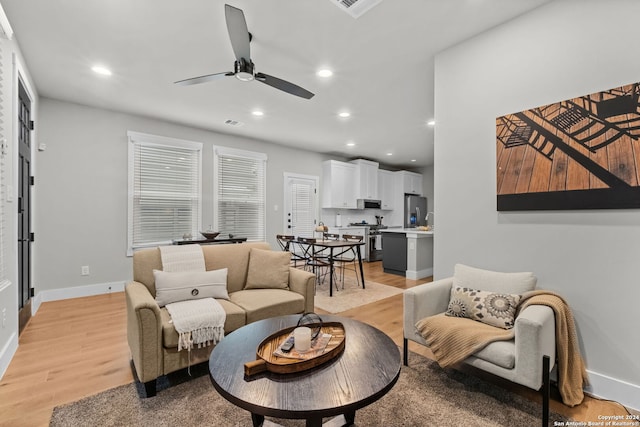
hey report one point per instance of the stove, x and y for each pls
(372, 227)
(374, 242)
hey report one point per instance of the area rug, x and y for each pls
(425, 395)
(352, 295)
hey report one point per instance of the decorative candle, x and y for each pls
(302, 339)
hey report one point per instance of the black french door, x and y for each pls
(25, 126)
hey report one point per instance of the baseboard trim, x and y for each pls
(605, 387)
(420, 274)
(7, 353)
(76, 292)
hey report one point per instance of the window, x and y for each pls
(239, 193)
(164, 190)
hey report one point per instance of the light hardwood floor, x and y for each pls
(76, 348)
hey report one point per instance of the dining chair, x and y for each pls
(349, 257)
(315, 260)
(287, 244)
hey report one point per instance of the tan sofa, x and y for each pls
(153, 340)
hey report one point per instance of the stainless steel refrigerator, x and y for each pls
(415, 210)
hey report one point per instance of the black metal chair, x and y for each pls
(315, 260)
(287, 244)
(348, 257)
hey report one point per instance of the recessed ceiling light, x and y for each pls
(325, 72)
(413, 160)
(431, 122)
(257, 113)
(99, 69)
(389, 154)
(351, 144)
(344, 114)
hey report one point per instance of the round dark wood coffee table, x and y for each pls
(366, 370)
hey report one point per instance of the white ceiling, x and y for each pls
(382, 63)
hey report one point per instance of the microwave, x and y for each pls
(369, 204)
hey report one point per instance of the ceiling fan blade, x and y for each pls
(238, 32)
(202, 79)
(284, 85)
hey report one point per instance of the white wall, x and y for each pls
(82, 192)
(12, 67)
(562, 50)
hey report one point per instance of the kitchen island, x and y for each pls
(407, 252)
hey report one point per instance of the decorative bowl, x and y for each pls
(210, 234)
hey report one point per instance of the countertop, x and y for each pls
(407, 230)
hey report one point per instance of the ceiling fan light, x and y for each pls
(244, 76)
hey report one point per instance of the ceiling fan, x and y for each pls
(244, 68)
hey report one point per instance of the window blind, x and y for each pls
(302, 208)
(165, 190)
(239, 193)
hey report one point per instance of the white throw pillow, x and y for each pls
(494, 281)
(188, 285)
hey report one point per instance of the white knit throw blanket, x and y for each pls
(182, 258)
(198, 322)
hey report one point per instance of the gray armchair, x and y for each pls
(526, 360)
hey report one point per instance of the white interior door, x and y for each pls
(300, 204)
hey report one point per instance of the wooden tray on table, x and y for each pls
(267, 360)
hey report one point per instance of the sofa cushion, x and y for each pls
(494, 281)
(268, 269)
(235, 319)
(189, 285)
(235, 257)
(501, 353)
(265, 303)
(492, 308)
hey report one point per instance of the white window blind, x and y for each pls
(164, 189)
(302, 194)
(239, 193)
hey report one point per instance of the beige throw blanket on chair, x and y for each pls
(199, 321)
(453, 339)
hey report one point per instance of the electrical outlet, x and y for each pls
(84, 270)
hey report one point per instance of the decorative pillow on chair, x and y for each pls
(495, 309)
(268, 269)
(187, 285)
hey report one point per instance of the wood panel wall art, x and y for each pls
(583, 153)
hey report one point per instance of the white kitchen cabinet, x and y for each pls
(411, 182)
(386, 188)
(366, 183)
(338, 185)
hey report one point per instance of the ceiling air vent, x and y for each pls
(232, 122)
(355, 8)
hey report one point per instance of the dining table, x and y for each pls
(332, 245)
